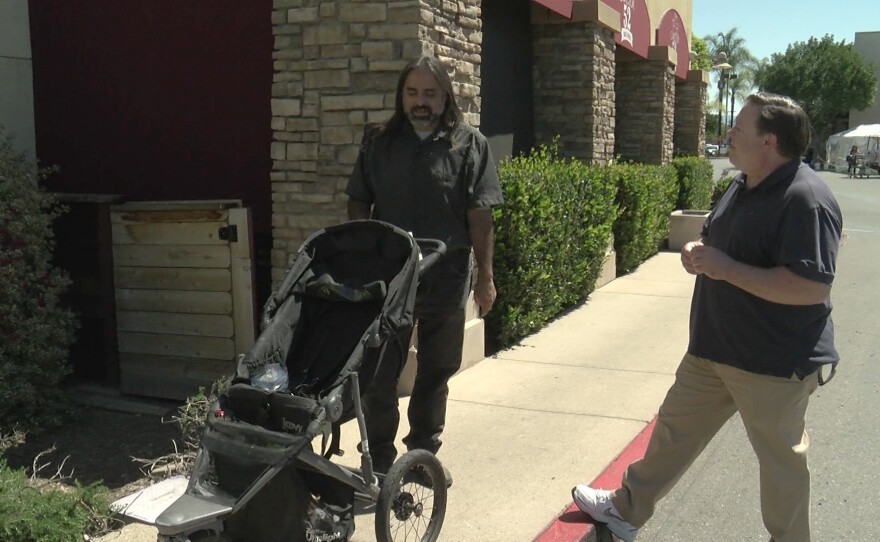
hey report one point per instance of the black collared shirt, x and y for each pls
(426, 186)
(790, 219)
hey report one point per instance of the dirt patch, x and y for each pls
(99, 445)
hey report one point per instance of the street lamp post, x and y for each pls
(722, 66)
(721, 107)
(732, 98)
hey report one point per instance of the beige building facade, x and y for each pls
(277, 94)
(16, 76)
(867, 44)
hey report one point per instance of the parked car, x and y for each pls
(711, 149)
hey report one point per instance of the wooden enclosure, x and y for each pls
(184, 299)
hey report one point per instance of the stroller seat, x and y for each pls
(313, 336)
(332, 317)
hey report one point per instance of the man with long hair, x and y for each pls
(760, 328)
(429, 173)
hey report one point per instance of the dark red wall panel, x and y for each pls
(156, 99)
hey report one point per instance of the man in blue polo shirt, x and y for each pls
(760, 328)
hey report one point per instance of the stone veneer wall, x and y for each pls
(573, 83)
(336, 68)
(645, 111)
(690, 116)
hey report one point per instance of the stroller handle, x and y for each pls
(435, 248)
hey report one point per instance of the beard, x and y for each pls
(423, 116)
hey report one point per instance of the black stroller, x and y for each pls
(344, 306)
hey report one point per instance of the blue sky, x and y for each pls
(769, 26)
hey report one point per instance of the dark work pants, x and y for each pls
(439, 357)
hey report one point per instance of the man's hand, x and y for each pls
(484, 294)
(709, 261)
(480, 230)
(687, 256)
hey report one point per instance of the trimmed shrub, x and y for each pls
(551, 236)
(646, 196)
(718, 189)
(695, 182)
(35, 331)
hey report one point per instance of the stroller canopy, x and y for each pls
(348, 285)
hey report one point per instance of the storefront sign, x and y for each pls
(635, 33)
(672, 33)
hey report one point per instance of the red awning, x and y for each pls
(562, 7)
(672, 33)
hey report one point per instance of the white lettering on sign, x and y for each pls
(626, 21)
(673, 35)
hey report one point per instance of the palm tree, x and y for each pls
(740, 77)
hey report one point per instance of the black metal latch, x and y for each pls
(228, 233)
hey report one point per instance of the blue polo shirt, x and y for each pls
(790, 219)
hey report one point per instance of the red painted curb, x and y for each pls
(572, 525)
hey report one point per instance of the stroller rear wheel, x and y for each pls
(412, 501)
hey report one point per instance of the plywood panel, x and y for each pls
(242, 280)
(176, 233)
(207, 256)
(187, 302)
(199, 325)
(176, 345)
(173, 278)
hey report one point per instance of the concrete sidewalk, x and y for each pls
(528, 423)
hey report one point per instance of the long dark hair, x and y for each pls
(451, 115)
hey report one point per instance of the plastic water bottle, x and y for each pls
(271, 377)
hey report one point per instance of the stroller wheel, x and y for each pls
(412, 501)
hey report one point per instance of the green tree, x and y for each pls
(739, 78)
(827, 78)
(702, 58)
(734, 46)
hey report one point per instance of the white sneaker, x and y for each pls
(597, 504)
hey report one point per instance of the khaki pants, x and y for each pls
(704, 396)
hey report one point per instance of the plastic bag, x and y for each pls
(271, 377)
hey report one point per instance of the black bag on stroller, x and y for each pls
(344, 305)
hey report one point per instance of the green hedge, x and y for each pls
(552, 233)
(646, 196)
(35, 331)
(695, 182)
(718, 189)
(551, 236)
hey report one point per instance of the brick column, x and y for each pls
(337, 63)
(573, 80)
(646, 107)
(336, 69)
(690, 114)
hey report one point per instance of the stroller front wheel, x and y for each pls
(412, 501)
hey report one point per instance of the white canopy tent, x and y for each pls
(866, 137)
